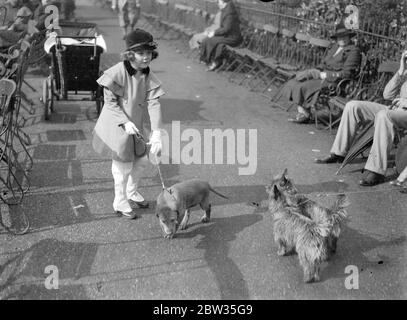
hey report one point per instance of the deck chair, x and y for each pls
(317, 49)
(346, 89)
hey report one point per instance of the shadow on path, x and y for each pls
(23, 276)
(217, 236)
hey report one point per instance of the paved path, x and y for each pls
(100, 256)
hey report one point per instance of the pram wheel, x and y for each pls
(48, 97)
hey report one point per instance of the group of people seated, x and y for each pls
(387, 121)
(30, 15)
(342, 61)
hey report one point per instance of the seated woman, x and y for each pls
(198, 38)
(342, 61)
(228, 33)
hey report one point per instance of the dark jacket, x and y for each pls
(344, 65)
(229, 23)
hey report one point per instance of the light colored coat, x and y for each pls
(127, 98)
(121, 3)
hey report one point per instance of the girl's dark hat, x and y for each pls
(140, 39)
(342, 31)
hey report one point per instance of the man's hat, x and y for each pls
(24, 12)
(342, 31)
(140, 39)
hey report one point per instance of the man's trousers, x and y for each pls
(386, 121)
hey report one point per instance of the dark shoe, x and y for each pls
(301, 118)
(332, 158)
(371, 179)
(128, 215)
(139, 204)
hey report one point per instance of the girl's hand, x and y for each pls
(131, 128)
(155, 142)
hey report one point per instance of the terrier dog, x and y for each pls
(294, 232)
(311, 209)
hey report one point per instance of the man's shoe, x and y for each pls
(139, 204)
(301, 118)
(128, 215)
(213, 66)
(332, 158)
(372, 179)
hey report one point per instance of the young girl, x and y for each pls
(131, 93)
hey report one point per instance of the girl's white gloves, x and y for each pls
(155, 142)
(130, 128)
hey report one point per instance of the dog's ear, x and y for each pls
(283, 180)
(285, 173)
(276, 192)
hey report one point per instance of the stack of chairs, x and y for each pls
(15, 158)
(248, 55)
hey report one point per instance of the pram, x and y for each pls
(75, 55)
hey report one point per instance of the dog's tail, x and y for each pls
(323, 228)
(219, 194)
(338, 209)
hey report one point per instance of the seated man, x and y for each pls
(342, 61)
(23, 16)
(228, 33)
(386, 120)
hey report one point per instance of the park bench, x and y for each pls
(251, 54)
(292, 61)
(359, 90)
(236, 57)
